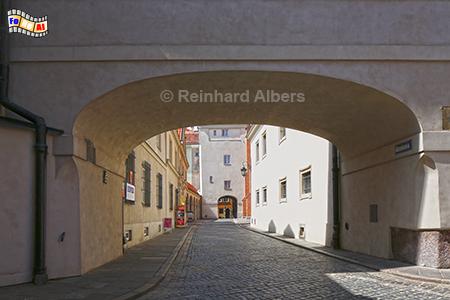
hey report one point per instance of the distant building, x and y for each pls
(222, 155)
(291, 183)
(193, 152)
(155, 186)
(193, 203)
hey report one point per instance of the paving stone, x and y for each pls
(114, 279)
(224, 261)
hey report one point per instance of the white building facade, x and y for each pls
(291, 187)
(222, 155)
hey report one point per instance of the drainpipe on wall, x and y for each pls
(39, 269)
(336, 199)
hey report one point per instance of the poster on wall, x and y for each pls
(130, 192)
(167, 223)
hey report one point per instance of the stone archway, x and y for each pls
(102, 86)
(366, 125)
(227, 207)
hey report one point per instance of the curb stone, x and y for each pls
(160, 275)
(352, 261)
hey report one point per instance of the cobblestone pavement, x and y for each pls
(224, 261)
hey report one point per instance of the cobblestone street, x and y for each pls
(224, 261)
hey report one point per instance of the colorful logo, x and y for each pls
(21, 22)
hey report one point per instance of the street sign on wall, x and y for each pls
(403, 147)
(130, 192)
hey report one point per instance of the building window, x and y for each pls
(264, 195)
(147, 183)
(128, 235)
(373, 213)
(305, 183)
(257, 197)
(301, 232)
(264, 144)
(130, 166)
(224, 132)
(227, 185)
(283, 189)
(171, 196)
(214, 132)
(227, 160)
(146, 231)
(90, 151)
(257, 151)
(282, 134)
(177, 197)
(159, 180)
(211, 179)
(130, 175)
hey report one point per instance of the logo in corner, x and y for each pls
(21, 22)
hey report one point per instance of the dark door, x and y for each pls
(227, 213)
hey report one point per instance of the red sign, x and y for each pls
(167, 223)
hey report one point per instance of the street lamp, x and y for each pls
(244, 169)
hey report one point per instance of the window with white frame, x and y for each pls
(264, 144)
(282, 136)
(257, 151)
(257, 197)
(305, 183)
(283, 189)
(264, 195)
(227, 160)
(224, 132)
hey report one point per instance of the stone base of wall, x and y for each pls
(426, 247)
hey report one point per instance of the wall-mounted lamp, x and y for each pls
(244, 169)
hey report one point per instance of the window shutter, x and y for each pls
(147, 184)
(171, 197)
(160, 191)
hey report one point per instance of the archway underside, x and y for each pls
(356, 118)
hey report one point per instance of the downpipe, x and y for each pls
(40, 275)
(336, 199)
(41, 150)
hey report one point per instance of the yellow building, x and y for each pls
(154, 186)
(193, 203)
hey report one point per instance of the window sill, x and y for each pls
(283, 200)
(264, 204)
(281, 140)
(305, 196)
